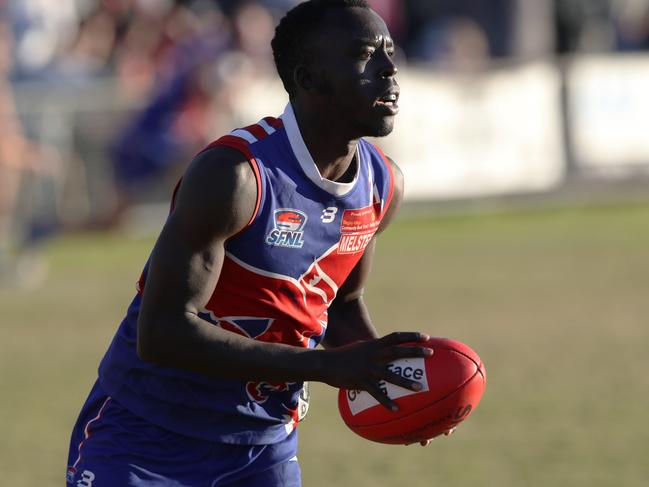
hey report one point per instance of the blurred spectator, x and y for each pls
(200, 75)
(42, 29)
(584, 26)
(446, 21)
(253, 28)
(454, 44)
(180, 59)
(182, 66)
(149, 31)
(631, 19)
(89, 54)
(20, 263)
(533, 30)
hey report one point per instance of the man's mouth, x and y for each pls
(388, 103)
(388, 99)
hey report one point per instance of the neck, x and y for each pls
(331, 151)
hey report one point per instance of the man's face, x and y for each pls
(354, 72)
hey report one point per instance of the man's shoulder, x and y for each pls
(242, 138)
(218, 164)
(218, 189)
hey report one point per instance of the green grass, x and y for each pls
(555, 302)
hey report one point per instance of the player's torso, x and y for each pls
(283, 271)
(279, 276)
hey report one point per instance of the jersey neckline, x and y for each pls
(306, 161)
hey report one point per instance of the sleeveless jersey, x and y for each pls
(279, 276)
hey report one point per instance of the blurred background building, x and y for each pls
(104, 102)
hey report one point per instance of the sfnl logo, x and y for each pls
(288, 229)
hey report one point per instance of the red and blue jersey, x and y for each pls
(279, 276)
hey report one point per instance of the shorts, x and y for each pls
(111, 446)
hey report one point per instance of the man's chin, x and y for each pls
(381, 129)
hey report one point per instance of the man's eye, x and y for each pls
(366, 54)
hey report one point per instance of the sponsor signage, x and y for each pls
(609, 103)
(410, 368)
(357, 228)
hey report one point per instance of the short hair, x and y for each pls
(291, 44)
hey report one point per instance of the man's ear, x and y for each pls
(310, 81)
(303, 78)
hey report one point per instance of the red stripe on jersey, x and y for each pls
(241, 145)
(208, 147)
(244, 292)
(276, 123)
(256, 130)
(237, 143)
(388, 165)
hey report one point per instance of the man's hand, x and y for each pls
(427, 442)
(363, 365)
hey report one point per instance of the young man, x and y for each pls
(267, 246)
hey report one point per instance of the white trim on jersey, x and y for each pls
(326, 278)
(266, 126)
(262, 272)
(317, 291)
(86, 431)
(321, 276)
(377, 197)
(324, 254)
(244, 134)
(315, 262)
(301, 282)
(234, 319)
(306, 161)
(370, 180)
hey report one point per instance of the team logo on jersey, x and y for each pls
(259, 392)
(69, 475)
(288, 229)
(247, 326)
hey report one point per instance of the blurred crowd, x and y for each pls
(137, 40)
(182, 61)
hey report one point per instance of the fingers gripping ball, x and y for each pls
(453, 380)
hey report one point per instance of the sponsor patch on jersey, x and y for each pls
(357, 228)
(288, 229)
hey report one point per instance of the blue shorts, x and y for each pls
(111, 447)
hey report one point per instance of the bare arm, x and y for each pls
(215, 201)
(349, 319)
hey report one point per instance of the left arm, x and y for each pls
(349, 319)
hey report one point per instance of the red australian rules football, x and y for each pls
(453, 380)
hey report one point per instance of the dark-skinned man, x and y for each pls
(264, 257)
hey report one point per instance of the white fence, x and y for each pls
(510, 130)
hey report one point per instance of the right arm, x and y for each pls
(215, 201)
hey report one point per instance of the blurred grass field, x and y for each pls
(555, 301)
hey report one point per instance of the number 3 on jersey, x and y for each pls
(329, 214)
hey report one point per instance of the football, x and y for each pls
(453, 381)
